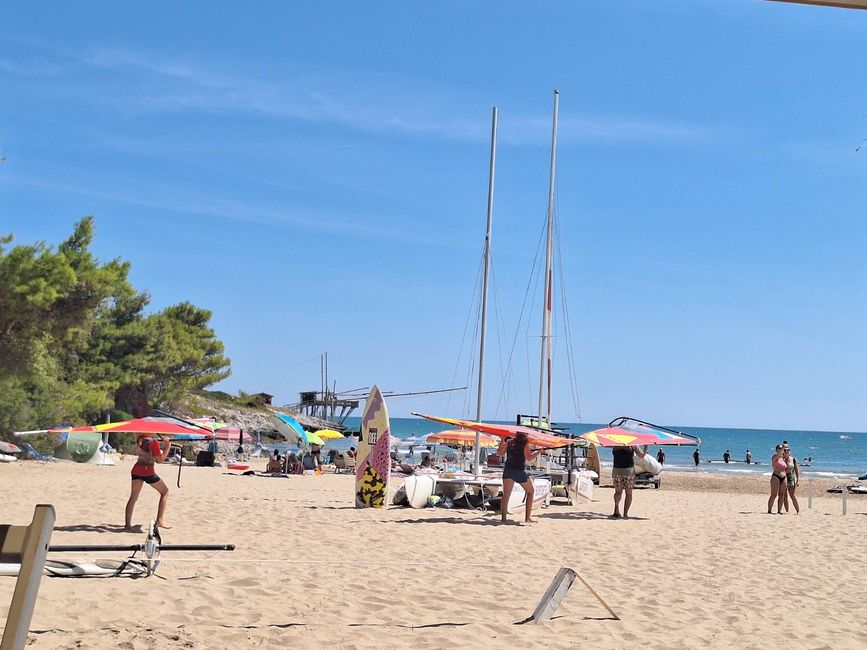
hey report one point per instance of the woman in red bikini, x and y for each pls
(778, 480)
(149, 452)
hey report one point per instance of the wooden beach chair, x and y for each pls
(344, 463)
(27, 546)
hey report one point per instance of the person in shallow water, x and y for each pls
(517, 451)
(696, 456)
(623, 476)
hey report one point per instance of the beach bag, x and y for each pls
(400, 498)
(205, 459)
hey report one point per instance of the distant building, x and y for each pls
(261, 399)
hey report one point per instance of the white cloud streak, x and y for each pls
(192, 205)
(393, 104)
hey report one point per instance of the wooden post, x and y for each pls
(845, 498)
(557, 591)
(27, 545)
(810, 494)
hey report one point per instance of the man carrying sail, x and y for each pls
(623, 476)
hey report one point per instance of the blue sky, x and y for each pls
(316, 175)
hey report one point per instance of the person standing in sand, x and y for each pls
(778, 480)
(149, 452)
(793, 477)
(623, 476)
(315, 450)
(517, 451)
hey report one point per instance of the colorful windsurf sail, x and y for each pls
(537, 438)
(150, 425)
(156, 427)
(624, 432)
(290, 427)
(462, 437)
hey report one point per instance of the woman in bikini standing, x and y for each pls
(149, 452)
(517, 451)
(778, 480)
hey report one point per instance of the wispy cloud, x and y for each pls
(37, 67)
(375, 103)
(193, 205)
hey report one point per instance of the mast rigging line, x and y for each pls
(476, 288)
(510, 368)
(472, 366)
(567, 326)
(505, 375)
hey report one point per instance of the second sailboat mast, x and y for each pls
(546, 357)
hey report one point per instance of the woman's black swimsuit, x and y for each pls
(515, 467)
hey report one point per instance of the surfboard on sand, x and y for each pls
(419, 488)
(373, 459)
(541, 495)
(580, 487)
(647, 464)
(593, 460)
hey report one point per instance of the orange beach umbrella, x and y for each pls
(460, 437)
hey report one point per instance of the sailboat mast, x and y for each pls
(546, 356)
(477, 449)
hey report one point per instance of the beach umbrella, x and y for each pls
(463, 437)
(222, 431)
(232, 434)
(624, 432)
(290, 427)
(536, 438)
(9, 448)
(329, 434)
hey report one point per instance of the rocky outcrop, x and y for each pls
(250, 419)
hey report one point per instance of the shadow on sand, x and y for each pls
(99, 528)
(584, 515)
(491, 521)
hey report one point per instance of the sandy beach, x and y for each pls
(700, 563)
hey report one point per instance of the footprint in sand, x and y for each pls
(244, 582)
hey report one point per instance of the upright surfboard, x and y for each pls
(373, 462)
(593, 460)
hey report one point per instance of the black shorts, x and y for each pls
(518, 475)
(150, 480)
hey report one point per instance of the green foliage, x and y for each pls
(241, 399)
(75, 341)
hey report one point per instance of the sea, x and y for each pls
(835, 454)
